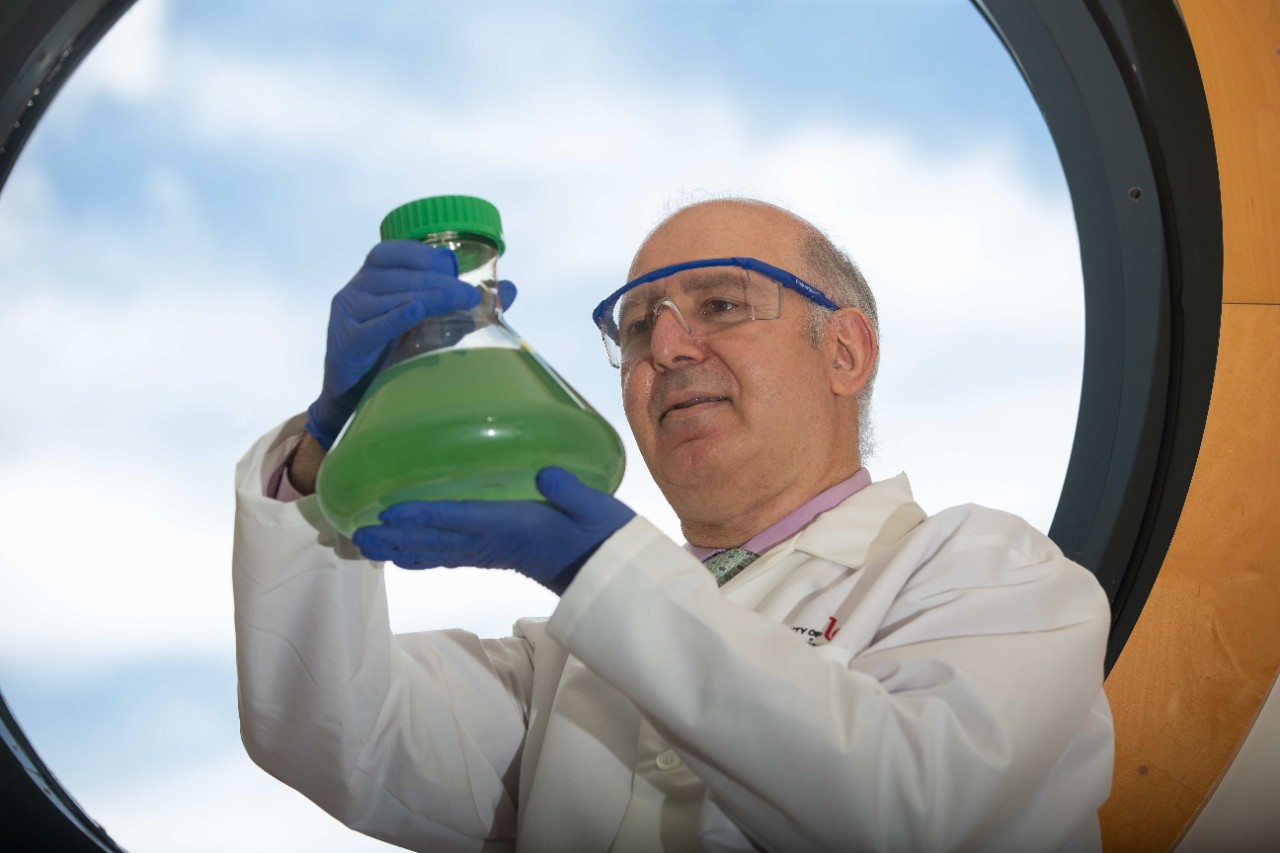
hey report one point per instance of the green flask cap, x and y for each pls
(467, 215)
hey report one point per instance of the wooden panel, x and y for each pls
(1237, 44)
(1206, 649)
(1207, 646)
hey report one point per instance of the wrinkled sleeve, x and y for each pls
(414, 739)
(970, 716)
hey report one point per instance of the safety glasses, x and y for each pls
(704, 296)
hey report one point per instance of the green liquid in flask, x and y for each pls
(470, 424)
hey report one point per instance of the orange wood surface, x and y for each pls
(1206, 649)
(1237, 44)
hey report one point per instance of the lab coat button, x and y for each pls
(668, 760)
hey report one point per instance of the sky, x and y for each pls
(213, 173)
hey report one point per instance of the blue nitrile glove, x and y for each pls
(401, 282)
(546, 543)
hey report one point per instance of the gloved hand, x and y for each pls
(546, 543)
(401, 282)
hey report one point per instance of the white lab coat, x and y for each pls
(880, 681)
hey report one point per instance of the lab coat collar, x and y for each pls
(861, 526)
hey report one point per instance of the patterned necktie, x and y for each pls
(726, 565)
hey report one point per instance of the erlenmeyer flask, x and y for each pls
(463, 408)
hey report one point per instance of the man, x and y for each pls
(848, 675)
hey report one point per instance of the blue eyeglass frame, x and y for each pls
(603, 315)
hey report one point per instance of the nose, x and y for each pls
(672, 340)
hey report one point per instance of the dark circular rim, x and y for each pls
(1120, 90)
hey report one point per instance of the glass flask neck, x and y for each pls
(477, 258)
(481, 326)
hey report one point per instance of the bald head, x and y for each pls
(731, 227)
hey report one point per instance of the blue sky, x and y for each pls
(214, 172)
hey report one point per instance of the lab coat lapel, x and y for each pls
(583, 781)
(863, 525)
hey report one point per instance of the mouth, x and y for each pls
(692, 402)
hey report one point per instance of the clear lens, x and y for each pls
(705, 301)
(611, 349)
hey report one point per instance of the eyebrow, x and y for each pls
(705, 279)
(628, 301)
(691, 281)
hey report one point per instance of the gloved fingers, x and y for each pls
(491, 517)
(380, 326)
(410, 254)
(372, 285)
(422, 547)
(443, 295)
(597, 514)
(506, 294)
(355, 307)
(567, 493)
(376, 332)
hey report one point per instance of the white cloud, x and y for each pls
(168, 191)
(117, 369)
(129, 64)
(214, 806)
(599, 156)
(103, 566)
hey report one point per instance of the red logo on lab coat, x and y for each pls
(811, 635)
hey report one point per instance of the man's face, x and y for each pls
(741, 408)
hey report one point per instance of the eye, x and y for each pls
(639, 327)
(721, 309)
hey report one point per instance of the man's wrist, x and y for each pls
(304, 464)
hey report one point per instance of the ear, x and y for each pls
(853, 349)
